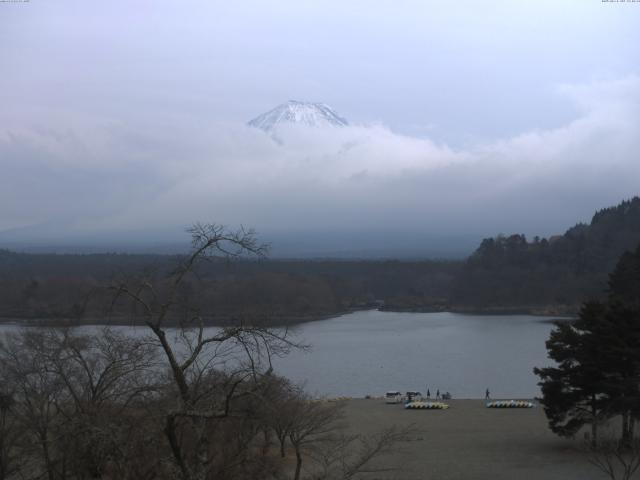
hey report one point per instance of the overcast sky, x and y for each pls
(467, 117)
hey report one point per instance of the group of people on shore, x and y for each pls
(447, 395)
(444, 396)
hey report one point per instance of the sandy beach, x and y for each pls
(470, 441)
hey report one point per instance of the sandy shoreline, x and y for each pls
(470, 441)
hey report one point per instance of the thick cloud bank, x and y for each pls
(68, 175)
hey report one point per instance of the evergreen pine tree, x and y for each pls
(598, 360)
(574, 393)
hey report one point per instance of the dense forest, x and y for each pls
(77, 286)
(555, 273)
(505, 274)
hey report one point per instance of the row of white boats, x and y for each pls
(415, 401)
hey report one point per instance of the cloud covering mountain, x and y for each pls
(89, 175)
(120, 120)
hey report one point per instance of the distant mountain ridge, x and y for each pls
(295, 112)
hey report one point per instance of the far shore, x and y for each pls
(536, 311)
(278, 320)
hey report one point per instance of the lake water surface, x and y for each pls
(370, 352)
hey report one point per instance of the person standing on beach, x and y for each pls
(486, 395)
(428, 393)
(438, 394)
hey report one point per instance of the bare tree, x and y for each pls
(281, 400)
(73, 395)
(617, 459)
(317, 432)
(103, 376)
(345, 456)
(311, 422)
(37, 393)
(10, 436)
(210, 370)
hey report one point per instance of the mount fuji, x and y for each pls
(298, 113)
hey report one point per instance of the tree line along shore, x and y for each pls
(506, 274)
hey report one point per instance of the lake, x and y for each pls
(370, 352)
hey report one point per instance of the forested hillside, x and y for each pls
(505, 274)
(558, 272)
(77, 286)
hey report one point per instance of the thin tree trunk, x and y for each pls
(594, 422)
(47, 460)
(298, 463)
(4, 459)
(178, 374)
(625, 428)
(267, 441)
(170, 432)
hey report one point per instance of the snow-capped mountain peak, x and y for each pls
(298, 113)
